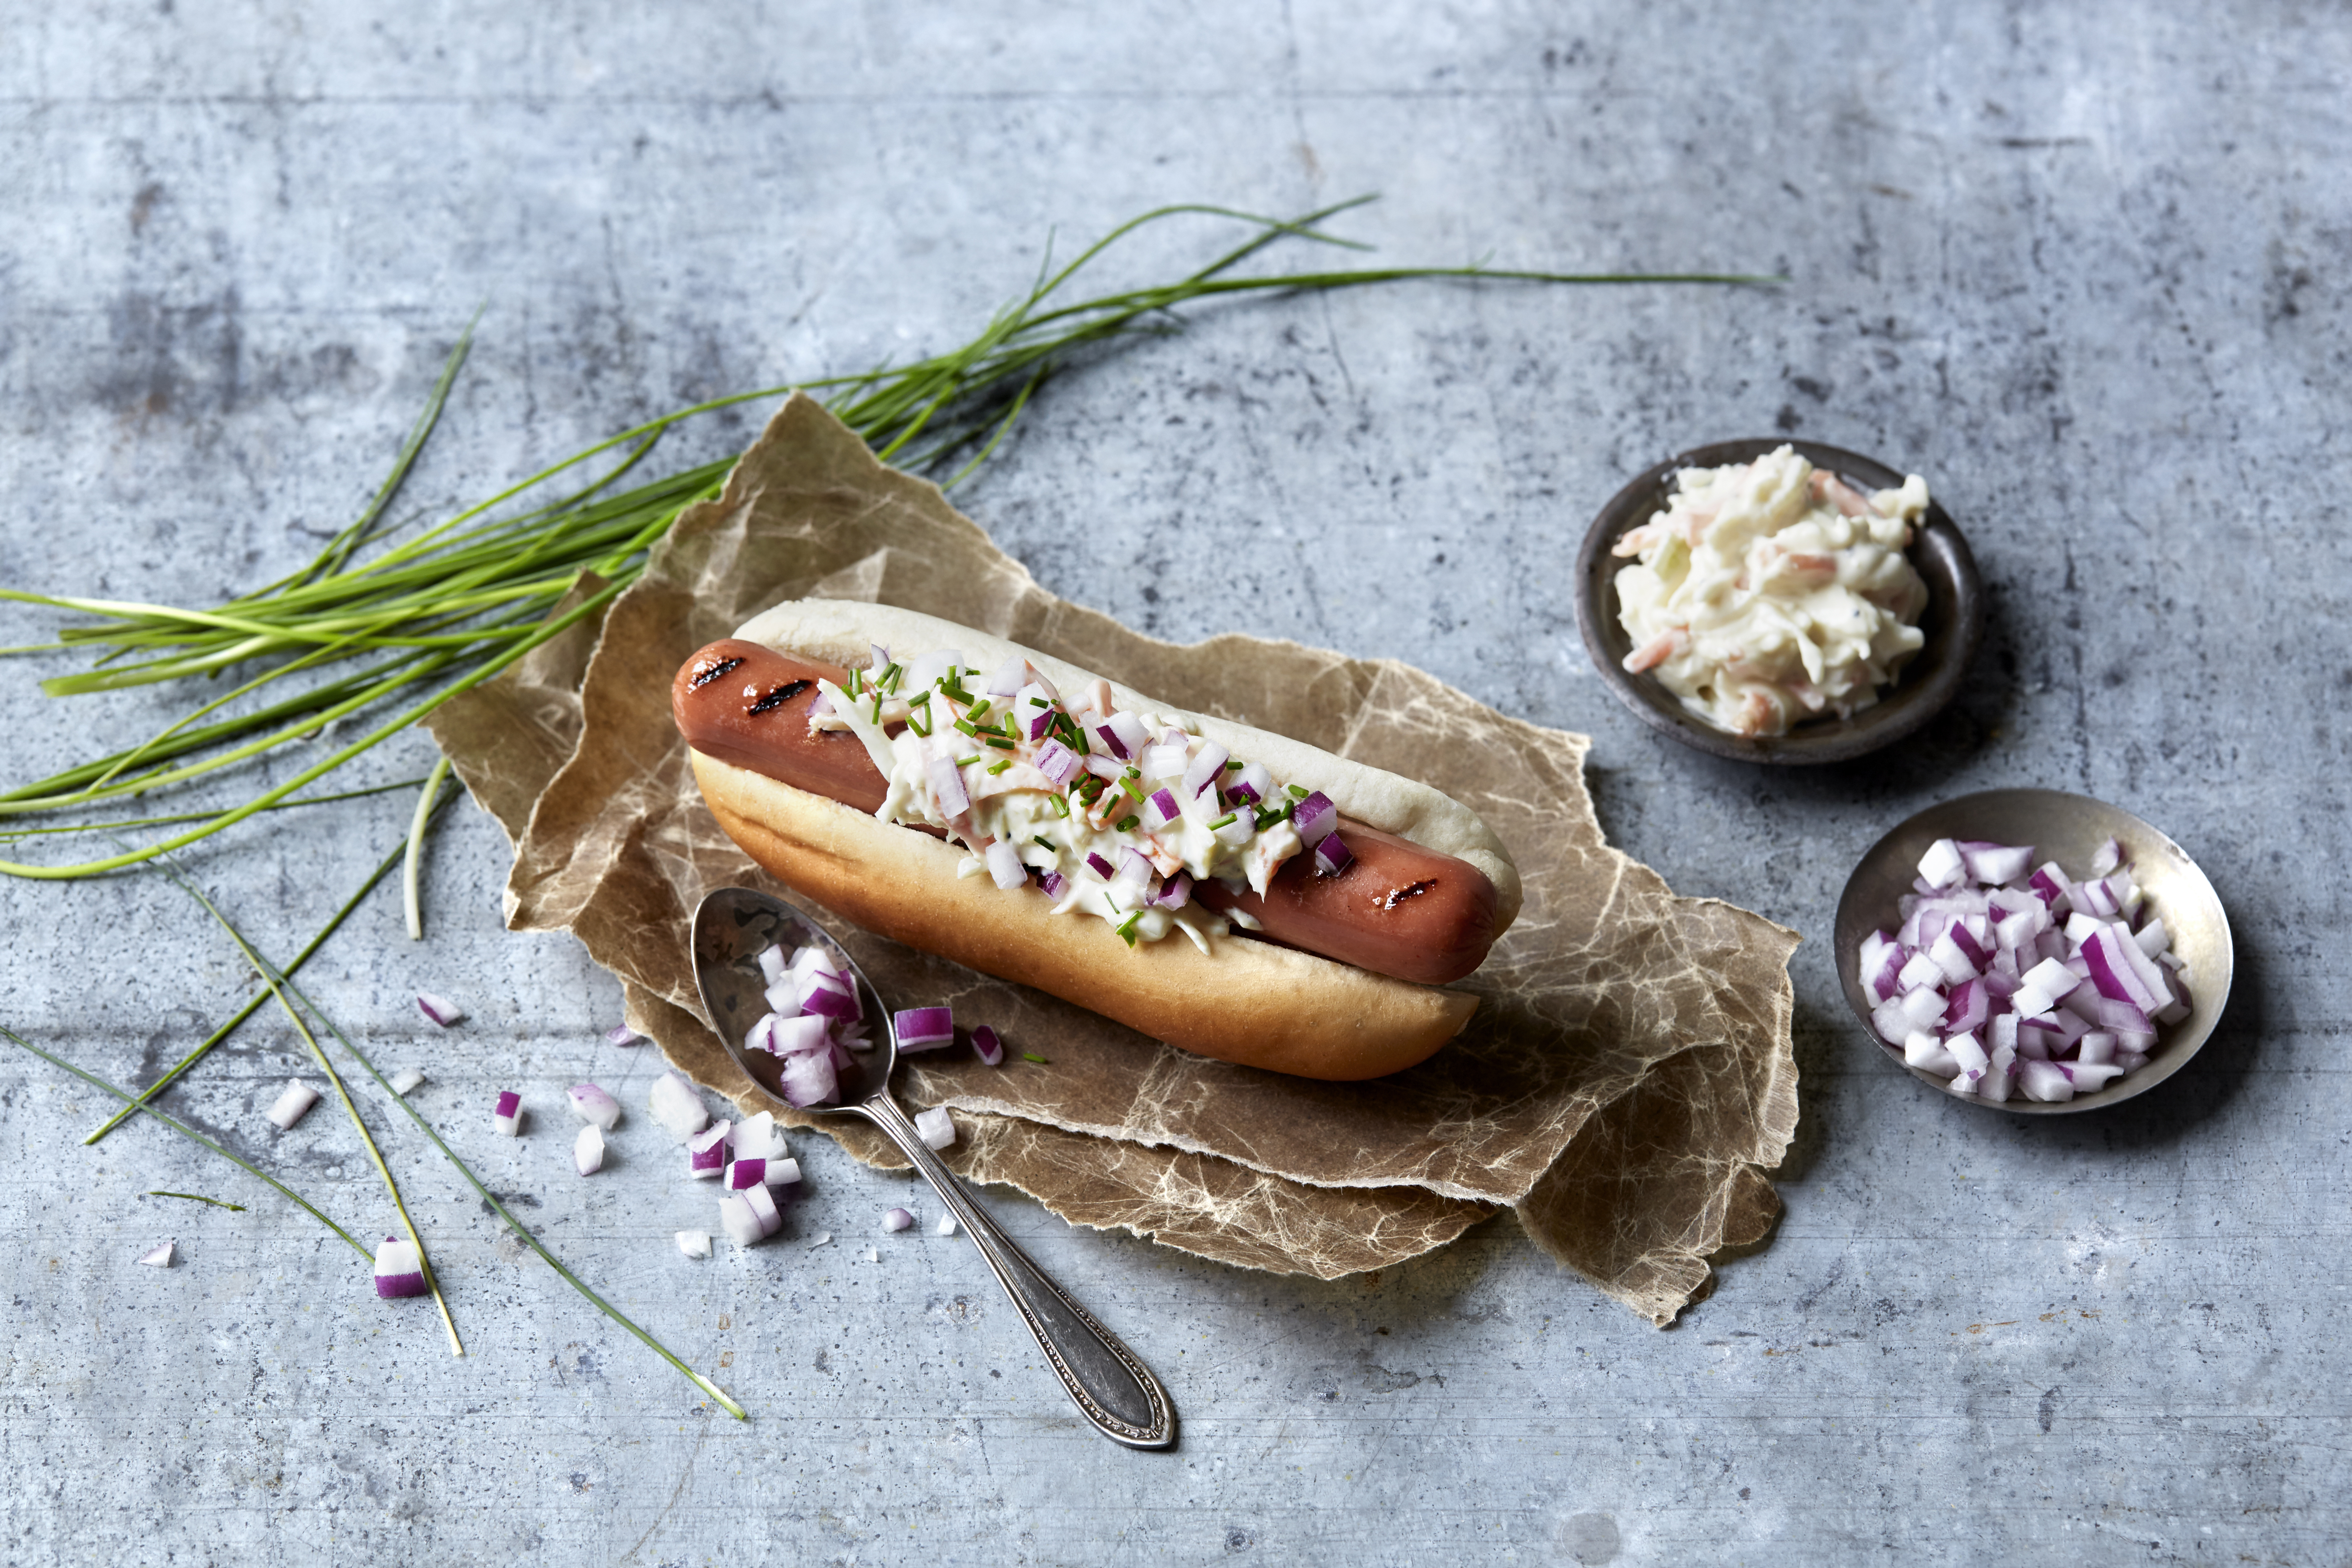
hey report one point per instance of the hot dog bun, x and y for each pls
(1248, 1002)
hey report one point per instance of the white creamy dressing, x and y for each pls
(1051, 827)
(1770, 592)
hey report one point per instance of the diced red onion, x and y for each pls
(588, 1151)
(2108, 856)
(1010, 677)
(1315, 818)
(947, 786)
(772, 963)
(1923, 1006)
(762, 1205)
(742, 1173)
(1966, 1008)
(1891, 1022)
(1052, 882)
(2114, 974)
(736, 1218)
(1165, 761)
(758, 1137)
(1128, 735)
(1100, 867)
(1177, 893)
(441, 1011)
(706, 1152)
(2098, 1045)
(1919, 970)
(293, 1102)
(1134, 871)
(404, 1081)
(936, 1126)
(506, 1119)
(1951, 957)
(819, 706)
(1941, 866)
(831, 1002)
(1044, 683)
(1924, 1050)
(592, 1105)
(1207, 767)
(1058, 764)
(989, 1048)
(160, 1258)
(881, 659)
(2089, 1078)
(1995, 863)
(895, 1220)
(928, 667)
(399, 1268)
(694, 1242)
(809, 1078)
(2044, 1081)
(1253, 785)
(673, 1102)
(924, 1028)
(1103, 766)
(1332, 855)
(2049, 885)
(1240, 830)
(1159, 810)
(806, 1033)
(784, 1174)
(760, 1037)
(947, 1225)
(621, 1034)
(1004, 866)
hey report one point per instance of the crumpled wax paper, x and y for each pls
(1625, 1086)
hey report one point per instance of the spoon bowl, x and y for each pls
(1109, 1383)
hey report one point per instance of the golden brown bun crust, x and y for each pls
(1246, 1002)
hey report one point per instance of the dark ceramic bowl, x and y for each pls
(1953, 622)
(2069, 829)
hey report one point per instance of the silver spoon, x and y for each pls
(1109, 1381)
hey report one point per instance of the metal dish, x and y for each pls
(2069, 829)
(1953, 622)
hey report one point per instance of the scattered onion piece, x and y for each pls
(937, 1127)
(439, 1009)
(294, 1102)
(924, 1028)
(947, 1225)
(896, 1220)
(758, 1137)
(694, 1242)
(762, 1205)
(405, 1079)
(161, 1258)
(736, 1218)
(506, 1119)
(595, 1107)
(588, 1151)
(621, 1034)
(821, 1239)
(399, 1268)
(675, 1104)
(706, 1152)
(987, 1045)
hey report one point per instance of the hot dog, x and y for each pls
(1401, 890)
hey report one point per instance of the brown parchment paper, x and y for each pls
(1626, 1082)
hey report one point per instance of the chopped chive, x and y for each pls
(877, 707)
(1132, 774)
(1000, 766)
(892, 675)
(1011, 727)
(1061, 805)
(1126, 928)
(919, 719)
(967, 762)
(1127, 823)
(200, 1198)
(1134, 790)
(1224, 821)
(1296, 793)
(978, 710)
(999, 741)
(1042, 842)
(851, 686)
(1235, 764)
(1034, 1057)
(921, 699)
(967, 726)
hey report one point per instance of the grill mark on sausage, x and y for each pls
(705, 674)
(779, 696)
(1399, 895)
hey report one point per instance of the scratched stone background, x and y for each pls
(2082, 267)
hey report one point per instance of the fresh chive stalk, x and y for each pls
(441, 612)
(185, 1131)
(410, 902)
(278, 988)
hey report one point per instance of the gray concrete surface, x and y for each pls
(2082, 267)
